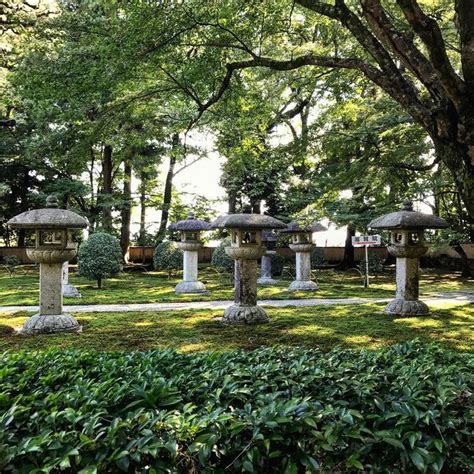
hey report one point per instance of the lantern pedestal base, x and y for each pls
(303, 285)
(244, 314)
(266, 281)
(400, 307)
(71, 291)
(190, 287)
(50, 323)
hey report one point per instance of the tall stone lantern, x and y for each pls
(190, 244)
(53, 246)
(269, 239)
(407, 245)
(302, 244)
(246, 248)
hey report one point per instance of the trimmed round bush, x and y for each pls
(403, 409)
(168, 257)
(99, 257)
(220, 259)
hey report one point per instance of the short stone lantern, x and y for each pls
(302, 244)
(69, 290)
(407, 245)
(269, 240)
(53, 246)
(190, 244)
(246, 248)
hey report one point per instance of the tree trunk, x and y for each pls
(256, 206)
(142, 232)
(107, 188)
(99, 283)
(466, 271)
(461, 165)
(348, 260)
(126, 213)
(232, 202)
(167, 194)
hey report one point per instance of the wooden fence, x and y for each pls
(330, 254)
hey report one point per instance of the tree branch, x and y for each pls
(392, 80)
(403, 46)
(465, 15)
(430, 33)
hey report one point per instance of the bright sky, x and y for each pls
(202, 178)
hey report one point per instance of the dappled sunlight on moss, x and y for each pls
(151, 287)
(358, 326)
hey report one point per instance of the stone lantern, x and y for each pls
(407, 245)
(190, 244)
(246, 248)
(269, 239)
(53, 246)
(302, 244)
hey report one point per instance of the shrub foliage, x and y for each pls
(220, 259)
(167, 257)
(99, 257)
(407, 408)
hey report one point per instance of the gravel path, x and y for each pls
(452, 297)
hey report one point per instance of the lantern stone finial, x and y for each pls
(407, 205)
(191, 215)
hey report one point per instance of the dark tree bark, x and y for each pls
(232, 202)
(142, 232)
(348, 260)
(256, 206)
(167, 194)
(107, 188)
(126, 213)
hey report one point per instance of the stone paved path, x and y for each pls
(452, 297)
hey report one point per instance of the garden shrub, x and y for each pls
(220, 259)
(405, 408)
(99, 257)
(168, 257)
(317, 257)
(376, 265)
(11, 263)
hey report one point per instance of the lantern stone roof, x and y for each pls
(408, 219)
(50, 217)
(296, 228)
(247, 221)
(269, 236)
(190, 224)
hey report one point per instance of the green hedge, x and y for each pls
(401, 409)
(168, 257)
(220, 259)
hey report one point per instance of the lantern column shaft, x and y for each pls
(407, 278)
(246, 291)
(303, 266)
(303, 280)
(190, 265)
(51, 294)
(266, 268)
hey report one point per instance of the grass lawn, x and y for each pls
(135, 287)
(355, 326)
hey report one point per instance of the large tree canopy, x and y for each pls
(371, 97)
